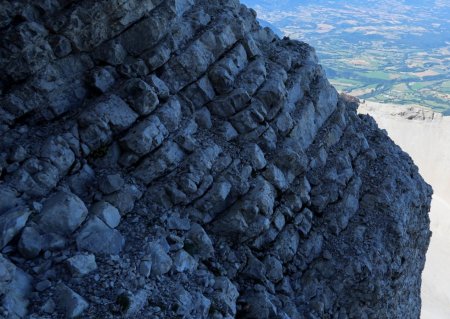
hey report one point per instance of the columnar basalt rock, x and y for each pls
(173, 159)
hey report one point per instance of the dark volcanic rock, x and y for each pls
(171, 158)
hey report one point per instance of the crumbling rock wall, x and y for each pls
(171, 159)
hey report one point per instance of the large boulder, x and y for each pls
(98, 238)
(11, 223)
(15, 287)
(62, 213)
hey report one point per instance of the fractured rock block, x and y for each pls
(15, 287)
(98, 238)
(107, 213)
(140, 96)
(105, 118)
(145, 136)
(82, 264)
(11, 223)
(69, 302)
(30, 243)
(161, 262)
(62, 214)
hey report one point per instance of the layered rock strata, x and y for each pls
(172, 159)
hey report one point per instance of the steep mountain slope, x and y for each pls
(171, 159)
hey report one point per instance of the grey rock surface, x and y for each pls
(224, 176)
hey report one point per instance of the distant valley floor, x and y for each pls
(385, 51)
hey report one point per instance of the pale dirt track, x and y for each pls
(428, 143)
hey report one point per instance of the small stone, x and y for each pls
(11, 223)
(177, 197)
(276, 177)
(159, 86)
(171, 114)
(203, 118)
(98, 238)
(37, 206)
(188, 143)
(111, 111)
(183, 262)
(287, 244)
(15, 287)
(269, 140)
(178, 223)
(107, 213)
(254, 269)
(227, 131)
(12, 168)
(69, 302)
(52, 241)
(133, 68)
(9, 197)
(18, 154)
(145, 137)
(303, 222)
(81, 182)
(305, 190)
(184, 302)
(198, 242)
(259, 305)
(158, 56)
(61, 45)
(49, 307)
(161, 262)
(82, 264)
(202, 305)
(145, 268)
(285, 287)
(111, 183)
(30, 243)
(274, 269)
(279, 221)
(62, 213)
(43, 285)
(102, 79)
(256, 155)
(141, 96)
(284, 123)
(125, 198)
(225, 295)
(111, 52)
(47, 254)
(137, 302)
(251, 47)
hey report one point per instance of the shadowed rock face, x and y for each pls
(207, 165)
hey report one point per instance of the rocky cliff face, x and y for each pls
(171, 159)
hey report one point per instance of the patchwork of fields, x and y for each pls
(385, 51)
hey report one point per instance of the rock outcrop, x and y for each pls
(172, 159)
